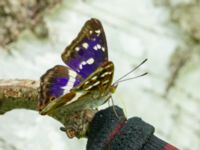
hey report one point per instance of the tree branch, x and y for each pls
(18, 94)
(24, 94)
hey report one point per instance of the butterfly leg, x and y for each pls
(113, 105)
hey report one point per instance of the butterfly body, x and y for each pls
(97, 87)
(86, 81)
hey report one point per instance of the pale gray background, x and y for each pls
(135, 30)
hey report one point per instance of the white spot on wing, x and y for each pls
(86, 82)
(69, 84)
(108, 66)
(95, 48)
(82, 64)
(77, 49)
(72, 73)
(94, 78)
(98, 31)
(105, 82)
(90, 61)
(95, 84)
(106, 73)
(89, 87)
(98, 46)
(85, 45)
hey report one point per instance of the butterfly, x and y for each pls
(86, 80)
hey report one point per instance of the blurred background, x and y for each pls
(34, 33)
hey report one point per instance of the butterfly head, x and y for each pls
(113, 88)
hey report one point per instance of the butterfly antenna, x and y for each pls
(120, 79)
(133, 77)
(114, 107)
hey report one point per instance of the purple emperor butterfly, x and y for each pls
(86, 81)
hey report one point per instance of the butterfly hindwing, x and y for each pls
(56, 82)
(88, 50)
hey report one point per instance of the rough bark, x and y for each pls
(24, 94)
(18, 94)
(17, 16)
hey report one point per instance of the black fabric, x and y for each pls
(102, 125)
(154, 143)
(134, 133)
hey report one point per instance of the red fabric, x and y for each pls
(170, 147)
(115, 131)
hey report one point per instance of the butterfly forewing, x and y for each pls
(56, 82)
(100, 80)
(88, 50)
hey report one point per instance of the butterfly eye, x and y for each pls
(52, 98)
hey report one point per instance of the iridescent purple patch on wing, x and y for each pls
(56, 82)
(57, 85)
(88, 50)
(77, 82)
(92, 49)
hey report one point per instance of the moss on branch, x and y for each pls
(24, 94)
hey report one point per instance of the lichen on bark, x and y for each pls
(16, 16)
